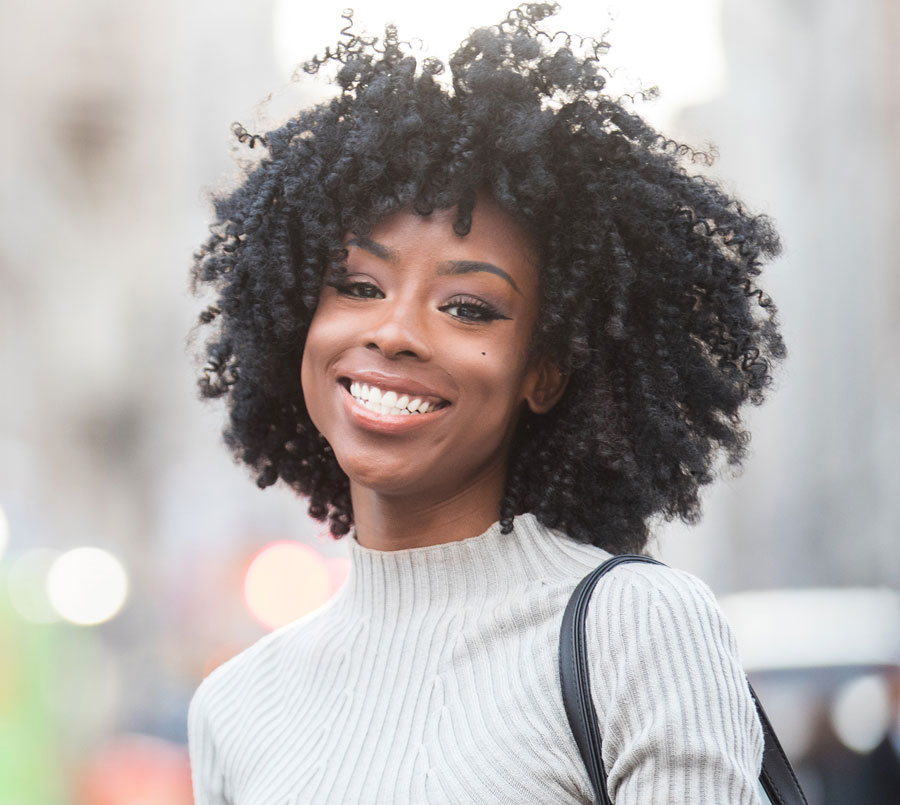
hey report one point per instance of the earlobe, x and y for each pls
(547, 386)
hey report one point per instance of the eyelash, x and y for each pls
(350, 288)
(483, 311)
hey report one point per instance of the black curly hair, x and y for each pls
(649, 300)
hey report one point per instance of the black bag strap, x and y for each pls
(777, 778)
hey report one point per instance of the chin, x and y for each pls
(381, 475)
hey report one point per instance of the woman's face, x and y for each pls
(433, 329)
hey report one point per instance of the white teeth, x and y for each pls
(388, 402)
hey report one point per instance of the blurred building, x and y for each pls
(808, 130)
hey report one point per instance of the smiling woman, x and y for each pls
(422, 317)
(489, 330)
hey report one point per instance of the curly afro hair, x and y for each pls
(649, 297)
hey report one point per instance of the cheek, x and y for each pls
(305, 383)
(313, 363)
(495, 374)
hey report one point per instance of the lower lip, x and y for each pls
(386, 423)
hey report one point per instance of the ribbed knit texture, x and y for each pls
(432, 677)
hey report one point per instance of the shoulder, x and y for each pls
(245, 678)
(630, 596)
(645, 600)
(663, 623)
(668, 686)
(231, 708)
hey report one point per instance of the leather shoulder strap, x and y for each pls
(575, 675)
(777, 778)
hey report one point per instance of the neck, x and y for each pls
(394, 522)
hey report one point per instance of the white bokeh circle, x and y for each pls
(87, 586)
(861, 713)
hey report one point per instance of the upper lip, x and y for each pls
(389, 382)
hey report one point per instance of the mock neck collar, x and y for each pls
(442, 553)
(463, 570)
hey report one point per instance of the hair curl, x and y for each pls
(648, 283)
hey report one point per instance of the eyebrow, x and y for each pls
(471, 266)
(445, 268)
(381, 252)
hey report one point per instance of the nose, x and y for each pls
(399, 330)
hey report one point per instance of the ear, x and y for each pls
(544, 386)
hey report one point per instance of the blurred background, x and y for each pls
(135, 556)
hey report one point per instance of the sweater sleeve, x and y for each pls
(678, 722)
(206, 773)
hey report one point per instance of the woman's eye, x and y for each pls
(358, 290)
(472, 310)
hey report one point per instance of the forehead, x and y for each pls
(495, 237)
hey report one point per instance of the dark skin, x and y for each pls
(446, 319)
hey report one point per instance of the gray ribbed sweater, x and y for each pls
(431, 677)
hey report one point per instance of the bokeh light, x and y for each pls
(4, 532)
(26, 585)
(339, 568)
(285, 581)
(861, 712)
(87, 586)
(137, 770)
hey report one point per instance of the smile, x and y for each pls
(395, 402)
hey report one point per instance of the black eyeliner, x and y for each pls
(489, 312)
